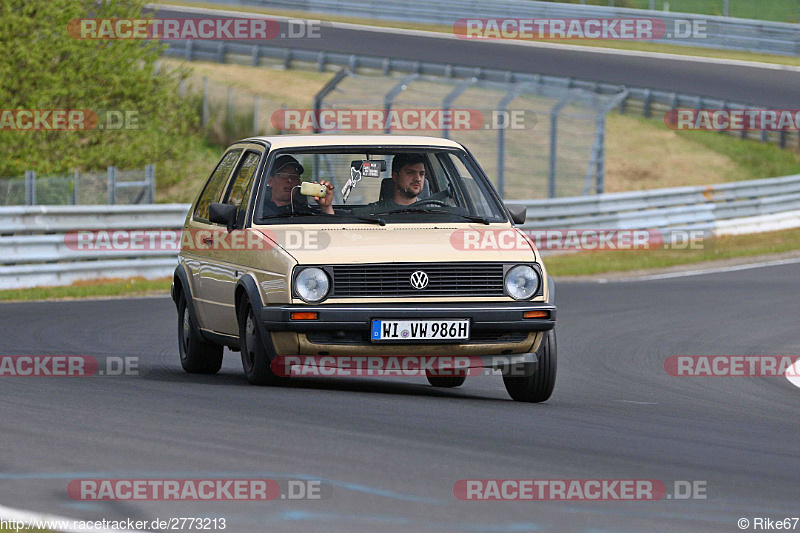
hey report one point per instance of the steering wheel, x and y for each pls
(430, 201)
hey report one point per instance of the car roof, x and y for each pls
(325, 140)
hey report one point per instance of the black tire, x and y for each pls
(198, 356)
(538, 385)
(256, 354)
(446, 381)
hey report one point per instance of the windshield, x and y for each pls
(379, 185)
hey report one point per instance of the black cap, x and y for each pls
(284, 160)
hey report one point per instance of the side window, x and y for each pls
(213, 188)
(239, 191)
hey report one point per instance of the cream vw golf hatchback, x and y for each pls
(343, 252)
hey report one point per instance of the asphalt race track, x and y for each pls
(773, 88)
(389, 451)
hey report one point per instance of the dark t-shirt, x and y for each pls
(385, 204)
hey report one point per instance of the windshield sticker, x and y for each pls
(371, 169)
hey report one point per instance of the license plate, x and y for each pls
(416, 330)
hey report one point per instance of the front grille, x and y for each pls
(362, 338)
(394, 279)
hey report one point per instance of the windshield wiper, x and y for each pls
(372, 220)
(438, 211)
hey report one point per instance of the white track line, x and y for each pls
(530, 44)
(30, 517)
(793, 374)
(700, 272)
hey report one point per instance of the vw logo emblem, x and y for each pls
(419, 279)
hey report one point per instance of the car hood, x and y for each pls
(329, 244)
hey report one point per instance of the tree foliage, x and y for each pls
(43, 67)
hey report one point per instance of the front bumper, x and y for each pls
(484, 316)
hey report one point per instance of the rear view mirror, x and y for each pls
(518, 212)
(222, 214)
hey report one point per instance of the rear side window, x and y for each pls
(239, 192)
(213, 188)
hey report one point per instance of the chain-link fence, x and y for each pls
(533, 141)
(81, 188)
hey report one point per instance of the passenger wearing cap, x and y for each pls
(282, 184)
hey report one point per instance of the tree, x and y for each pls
(43, 67)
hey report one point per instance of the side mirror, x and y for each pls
(518, 212)
(222, 214)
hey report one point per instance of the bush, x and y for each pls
(43, 67)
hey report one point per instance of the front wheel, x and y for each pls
(537, 385)
(255, 355)
(197, 355)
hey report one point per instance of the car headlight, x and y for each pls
(312, 284)
(522, 282)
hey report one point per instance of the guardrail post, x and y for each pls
(188, 53)
(255, 57)
(30, 187)
(75, 177)
(648, 98)
(150, 177)
(111, 173)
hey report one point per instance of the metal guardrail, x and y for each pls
(34, 250)
(721, 32)
(682, 207)
(648, 101)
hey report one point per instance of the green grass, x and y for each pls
(776, 10)
(92, 289)
(752, 157)
(589, 263)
